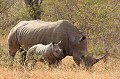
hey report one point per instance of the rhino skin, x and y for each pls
(44, 53)
(28, 33)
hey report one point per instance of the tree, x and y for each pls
(33, 7)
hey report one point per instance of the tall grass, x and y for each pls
(101, 70)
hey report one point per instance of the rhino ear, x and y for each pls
(51, 44)
(58, 42)
(100, 57)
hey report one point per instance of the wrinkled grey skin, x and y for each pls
(44, 53)
(28, 33)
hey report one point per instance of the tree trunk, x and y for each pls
(33, 7)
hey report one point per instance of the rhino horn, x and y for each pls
(99, 58)
(89, 61)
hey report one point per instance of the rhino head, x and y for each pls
(79, 51)
(57, 52)
(79, 47)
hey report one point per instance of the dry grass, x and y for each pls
(66, 70)
(101, 70)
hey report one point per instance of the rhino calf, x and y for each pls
(44, 53)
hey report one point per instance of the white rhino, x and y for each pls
(44, 53)
(28, 33)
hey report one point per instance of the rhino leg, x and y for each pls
(11, 56)
(30, 63)
(30, 58)
(13, 46)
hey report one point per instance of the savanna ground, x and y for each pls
(66, 70)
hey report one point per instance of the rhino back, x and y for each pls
(34, 33)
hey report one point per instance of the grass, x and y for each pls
(102, 70)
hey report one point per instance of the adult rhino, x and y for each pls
(28, 33)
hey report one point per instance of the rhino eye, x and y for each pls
(83, 38)
(82, 56)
